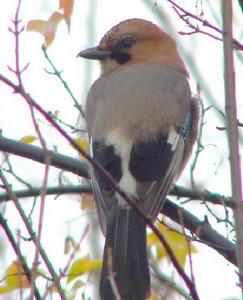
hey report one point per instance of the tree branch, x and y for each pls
(201, 229)
(19, 89)
(186, 15)
(18, 253)
(233, 135)
(76, 166)
(80, 168)
(32, 234)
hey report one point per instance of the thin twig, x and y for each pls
(59, 76)
(71, 127)
(67, 163)
(9, 169)
(28, 226)
(80, 168)
(18, 73)
(180, 213)
(207, 234)
(233, 138)
(29, 99)
(40, 222)
(19, 254)
(184, 15)
(64, 271)
(165, 279)
(199, 145)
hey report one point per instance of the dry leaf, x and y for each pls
(46, 28)
(67, 6)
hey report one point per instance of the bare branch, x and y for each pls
(19, 254)
(178, 214)
(185, 16)
(233, 135)
(116, 186)
(76, 166)
(80, 168)
(31, 232)
(202, 229)
(59, 76)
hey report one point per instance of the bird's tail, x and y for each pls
(125, 270)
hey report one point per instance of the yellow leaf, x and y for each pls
(67, 6)
(46, 28)
(81, 266)
(176, 241)
(82, 143)
(28, 139)
(15, 278)
(154, 297)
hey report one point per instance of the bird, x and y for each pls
(142, 123)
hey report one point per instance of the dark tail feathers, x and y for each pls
(125, 248)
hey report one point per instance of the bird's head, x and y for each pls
(135, 41)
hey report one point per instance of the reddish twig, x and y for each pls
(185, 16)
(64, 271)
(40, 222)
(18, 72)
(31, 232)
(15, 246)
(16, 32)
(239, 124)
(97, 166)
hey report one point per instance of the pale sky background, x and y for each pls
(215, 277)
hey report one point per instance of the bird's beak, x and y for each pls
(95, 53)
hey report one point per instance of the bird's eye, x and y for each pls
(127, 42)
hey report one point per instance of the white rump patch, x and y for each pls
(122, 148)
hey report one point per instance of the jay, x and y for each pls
(142, 123)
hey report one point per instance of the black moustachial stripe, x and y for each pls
(120, 57)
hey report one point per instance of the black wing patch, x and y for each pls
(150, 161)
(106, 157)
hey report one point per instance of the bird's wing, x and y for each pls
(125, 231)
(158, 163)
(154, 165)
(103, 190)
